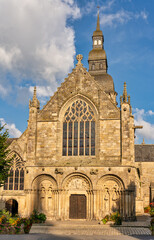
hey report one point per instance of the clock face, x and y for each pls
(95, 42)
(99, 42)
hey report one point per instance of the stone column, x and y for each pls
(127, 203)
(124, 205)
(88, 205)
(120, 203)
(92, 204)
(95, 204)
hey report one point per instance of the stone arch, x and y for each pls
(74, 98)
(11, 205)
(45, 199)
(111, 188)
(44, 177)
(78, 181)
(15, 147)
(113, 178)
(77, 197)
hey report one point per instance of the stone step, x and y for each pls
(143, 218)
(91, 230)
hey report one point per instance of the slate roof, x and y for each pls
(144, 153)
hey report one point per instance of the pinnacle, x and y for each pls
(125, 93)
(35, 101)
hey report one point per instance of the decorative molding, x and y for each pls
(94, 171)
(59, 171)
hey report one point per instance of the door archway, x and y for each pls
(12, 206)
(77, 197)
(78, 204)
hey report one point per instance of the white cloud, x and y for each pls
(150, 112)
(3, 91)
(36, 44)
(7, 58)
(42, 91)
(147, 132)
(122, 16)
(107, 5)
(13, 131)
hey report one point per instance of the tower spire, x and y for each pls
(98, 23)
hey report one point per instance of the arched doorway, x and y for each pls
(12, 206)
(77, 197)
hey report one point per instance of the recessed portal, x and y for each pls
(77, 206)
(12, 206)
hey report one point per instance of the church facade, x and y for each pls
(77, 158)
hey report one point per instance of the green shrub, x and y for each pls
(115, 217)
(38, 217)
(42, 217)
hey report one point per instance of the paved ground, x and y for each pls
(53, 237)
(91, 228)
(86, 230)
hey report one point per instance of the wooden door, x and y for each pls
(77, 206)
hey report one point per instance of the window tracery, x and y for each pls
(79, 130)
(15, 181)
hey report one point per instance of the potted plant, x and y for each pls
(27, 224)
(152, 226)
(152, 209)
(147, 209)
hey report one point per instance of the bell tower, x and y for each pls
(97, 57)
(97, 61)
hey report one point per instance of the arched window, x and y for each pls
(93, 66)
(15, 181)
(79, 130)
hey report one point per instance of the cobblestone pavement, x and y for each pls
(77, 237)
(86, 230)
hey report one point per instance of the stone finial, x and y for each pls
(125, 93)
(79, 57)
(143, 141)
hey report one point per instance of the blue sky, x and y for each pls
(40, 39)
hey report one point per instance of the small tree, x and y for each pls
(5, 162)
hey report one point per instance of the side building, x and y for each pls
(77, 158)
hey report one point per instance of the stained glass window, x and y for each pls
(15, 181)
(79, 130)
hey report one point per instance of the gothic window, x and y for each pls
(15, 181)
(79, 130)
